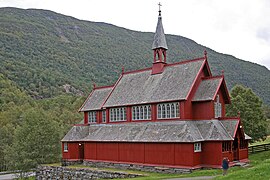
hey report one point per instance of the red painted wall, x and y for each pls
(203, 110)
(131, 152)
(85, 117)
(90, 151)
(184, 154)
(171, 154)
(159, 153)
(146, 153)
(243, 153)
(107, 151)
(212, 153)
(73, 151)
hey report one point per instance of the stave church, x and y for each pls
(169, 115)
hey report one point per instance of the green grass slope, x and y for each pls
(41, 51)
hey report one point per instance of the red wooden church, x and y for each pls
(167, 115)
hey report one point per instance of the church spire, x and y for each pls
(159, 46)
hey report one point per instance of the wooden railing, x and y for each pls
(258, 148)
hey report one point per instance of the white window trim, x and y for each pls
(103, 113)
(118, 114)
(65, 147)
(164, 108)
(92, 117)
(217, 107)
(142, 112)
(198, 147)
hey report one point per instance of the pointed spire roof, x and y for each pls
(159, 38)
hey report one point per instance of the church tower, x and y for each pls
(159, 47)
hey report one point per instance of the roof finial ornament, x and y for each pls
(94, 86)
(222, 72)
(159, 11)
(205, 54)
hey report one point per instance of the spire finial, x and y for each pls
(159, 10)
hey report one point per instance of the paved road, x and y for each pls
(7, 176)
(194, 178)
(11, 176)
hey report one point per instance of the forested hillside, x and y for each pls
(40, 51)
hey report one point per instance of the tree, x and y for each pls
(250, 106)
(37, 141)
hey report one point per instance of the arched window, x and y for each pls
(145, 112)
(218, 107)
(168, 111)
(141, 112)
(159, 111)
(177, 114)
(173, 110)
(138, 113)
(163, 111)
(149, 112)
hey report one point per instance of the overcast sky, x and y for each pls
(237, 27)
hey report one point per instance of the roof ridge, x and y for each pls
(212, 77)
(135, 71)
(114, 86)
(103, 87)
(186, 61)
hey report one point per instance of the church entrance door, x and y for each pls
(235, 149)
(81, 151)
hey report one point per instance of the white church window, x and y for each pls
(197, 147)
(168, 110)
(103, 116)
(118, 114)
(217, 107)
(92, 117)
(141, 112)
(65, 147)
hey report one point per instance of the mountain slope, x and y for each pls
(41, 51)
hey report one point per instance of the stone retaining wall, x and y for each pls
(137, 167)
(54, 172)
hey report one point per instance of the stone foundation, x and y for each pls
(53, 172)
(136, 167)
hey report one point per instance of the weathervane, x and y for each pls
(159, 4)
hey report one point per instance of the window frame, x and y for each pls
(65, 147)
(217, 107)
(141, 113)
(92, 117)
(118, 114)
(168, 110)
(104, 117)
(198, 147)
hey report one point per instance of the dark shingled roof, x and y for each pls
(141, 87)
(207, 89)
(230, 125)
(96, 99)
(171, 131)
(159, 38)
(76, 133)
